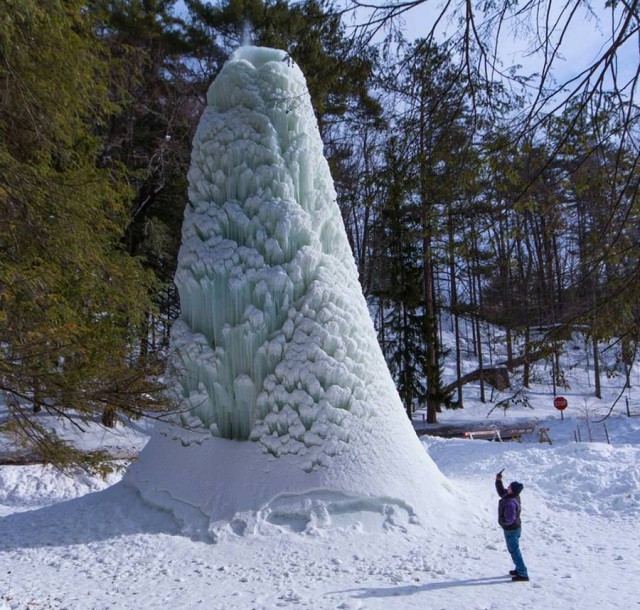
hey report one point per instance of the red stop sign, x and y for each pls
(560, 403)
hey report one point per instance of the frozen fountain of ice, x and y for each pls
(286, 398)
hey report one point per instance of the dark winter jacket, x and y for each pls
(508, 508)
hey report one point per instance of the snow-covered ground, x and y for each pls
(80, 543)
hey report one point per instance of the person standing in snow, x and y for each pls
(509, 519)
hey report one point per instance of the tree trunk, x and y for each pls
(475, 282)
(406, 372)
(483, 398)
(524, 359)
(431, 338)
(37, 400)
(526, 376)
(454, 307)
(109, 417)
(596, 367)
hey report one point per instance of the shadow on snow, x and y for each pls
(108, 514)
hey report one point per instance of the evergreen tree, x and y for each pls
(157, 85)
(436, 132)
(397, 282)
(70, 298)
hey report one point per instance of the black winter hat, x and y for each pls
(516, 488)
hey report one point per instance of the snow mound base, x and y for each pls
(218, 488)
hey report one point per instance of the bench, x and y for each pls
(492, 435)
(510, 434)
(516, 434)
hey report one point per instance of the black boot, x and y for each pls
(518, 578)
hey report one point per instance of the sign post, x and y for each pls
(560, 403)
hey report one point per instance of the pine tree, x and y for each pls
(70, 298)
(435, 132)
(156, 84)
(396, 286)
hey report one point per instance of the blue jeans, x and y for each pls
(513, 546)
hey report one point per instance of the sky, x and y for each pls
(583, 41)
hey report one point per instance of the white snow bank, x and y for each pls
(29, 487)
(107, 549)
(595, 478)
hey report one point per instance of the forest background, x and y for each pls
(469, 188)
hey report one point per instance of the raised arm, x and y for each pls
(499, 486)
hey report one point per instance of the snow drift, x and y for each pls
(289, 413)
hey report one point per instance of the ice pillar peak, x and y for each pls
(260, 231)
(275, 345)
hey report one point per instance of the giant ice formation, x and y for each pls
(286, 397)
